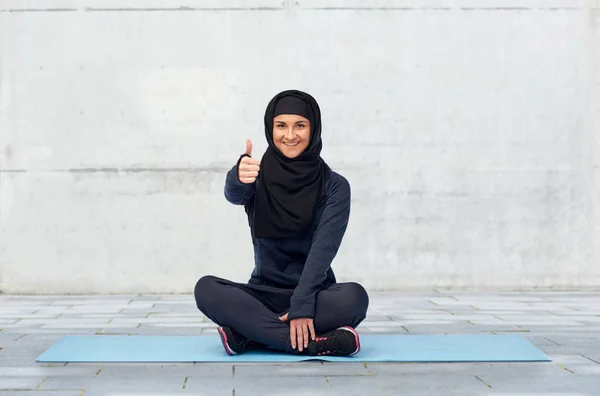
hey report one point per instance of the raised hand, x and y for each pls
(249, 167)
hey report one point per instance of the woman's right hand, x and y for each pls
(249, 167)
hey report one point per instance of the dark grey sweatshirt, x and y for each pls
(301, 263)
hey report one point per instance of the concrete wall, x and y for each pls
(469, 134)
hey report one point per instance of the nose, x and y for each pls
(290, 134)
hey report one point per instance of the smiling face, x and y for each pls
(291, 134)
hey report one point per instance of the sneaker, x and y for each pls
(339, 342)
(233, 342)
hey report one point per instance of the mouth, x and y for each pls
(291, 144)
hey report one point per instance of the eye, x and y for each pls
(280, 126)
(300, 126)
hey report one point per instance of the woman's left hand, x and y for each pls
(301, 331)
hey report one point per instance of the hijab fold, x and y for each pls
(288, 189)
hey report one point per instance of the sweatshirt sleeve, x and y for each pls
(236, 192)
(326, 242)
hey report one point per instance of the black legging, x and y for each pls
(228, 304)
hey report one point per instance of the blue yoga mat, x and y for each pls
(374, 348)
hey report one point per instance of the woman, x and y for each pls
(297, 210)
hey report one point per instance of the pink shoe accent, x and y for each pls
(224, 341)
(350, 329)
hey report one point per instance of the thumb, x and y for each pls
(249, 147)
(284, 318)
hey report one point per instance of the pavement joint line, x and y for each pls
(233, 392)
(41, 391)
(232, 371)
(497, 317)
(566, 369)
(82, 392)
(483, 382)
(17, 321)
(469, 322)
(99, 370)
(367, 368)
(328, 383)
(185, 380)
(16, 389)
(405, 328)
(552, 341)
(41, 383)
(109, 333)
(589, 358)
(433, 302)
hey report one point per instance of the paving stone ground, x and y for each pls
(565, 325)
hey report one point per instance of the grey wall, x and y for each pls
(469, 134)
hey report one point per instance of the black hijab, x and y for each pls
(288, 189)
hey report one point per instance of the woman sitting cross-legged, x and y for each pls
(298, 210)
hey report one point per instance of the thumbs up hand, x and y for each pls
(249, 167)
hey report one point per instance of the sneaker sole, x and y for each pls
(224, 341)
(350, 329)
